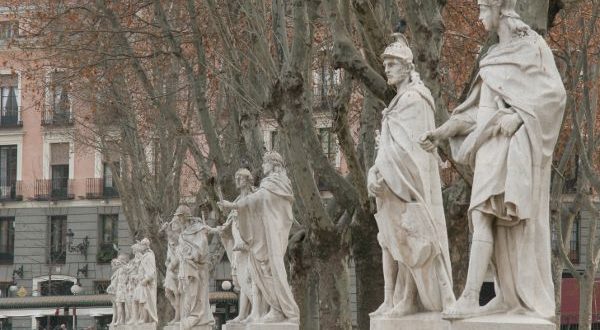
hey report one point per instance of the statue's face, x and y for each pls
(396, 70)
(489, 16)
(242, 181)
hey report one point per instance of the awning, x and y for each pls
(99, 300)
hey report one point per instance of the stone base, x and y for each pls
(176, 326)
(434, 321)
(421, 321)
(145, 326)
(271, 326)
(234, 326)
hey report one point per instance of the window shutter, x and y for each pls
(59, 154)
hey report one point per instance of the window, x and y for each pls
(58, 239)
(326, 79)
(4, 289)
(59, 170)
(574, 244)
(328, 144)
(59, 100)
(100, 286)
(9, 100)
(56, 288)
(8, 172)
(109, 237)
(7, 240)
(109, 189)
(8, 30)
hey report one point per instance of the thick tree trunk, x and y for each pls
(368, 267)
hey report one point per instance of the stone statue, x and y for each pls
(265, 222)
(117, 288)
(406, 183)
(193, 272)
(171, 282)
(506, 131)
(145, 293)
(237, 248)
(132, 312)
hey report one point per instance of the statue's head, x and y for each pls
(182, 213)
(272, 162)
(398, 58)
(243, 178)
(123, 258)
(493, 12)
(144, 244)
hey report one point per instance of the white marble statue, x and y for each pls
(132, 304)
(237, 248)
(406, 183)
(265, 222)
(171, 282)
(193, 271)
(145, 293)
(117, 288)
(506, 131)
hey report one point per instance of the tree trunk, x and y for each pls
(334, 280)
(586, 297)
(368, 267)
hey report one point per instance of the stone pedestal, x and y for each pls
(503, 322)
(271, 326)
(234, 326)
(421, 321)
(145, 326)
(434, 321)
(176, 326)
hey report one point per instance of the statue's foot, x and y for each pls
(273, 316)
(238, 319)
(402, 310)
(495, 305)
(465, 307)
(384, 308)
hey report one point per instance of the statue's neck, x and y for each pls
(402, 85)
(504, 33)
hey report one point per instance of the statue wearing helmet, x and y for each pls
(406, 185)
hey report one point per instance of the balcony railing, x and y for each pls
(95, 188)
(11, 191)
(53, 189)
(11, 119)
(50, 118)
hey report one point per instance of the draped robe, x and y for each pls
(512, 174)
(410, 214)
(192, 251)
(266, 219)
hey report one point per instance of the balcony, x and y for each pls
(58, 118)
(11, 119)
(96, 188)
(53, 189)
(11, 192)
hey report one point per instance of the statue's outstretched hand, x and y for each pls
(429, 141)
(226, 205)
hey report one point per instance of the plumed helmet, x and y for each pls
(399, 48)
